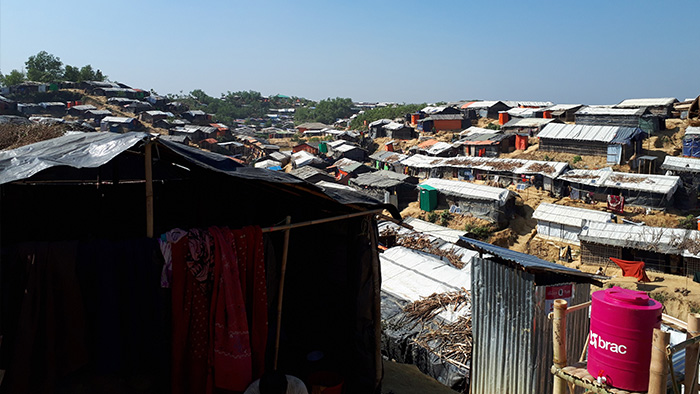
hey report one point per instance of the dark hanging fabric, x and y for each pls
(49, 339)
(219, 310)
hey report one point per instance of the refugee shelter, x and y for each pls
(688, 169)
(651, 191)
(661, 107)
(119, 124)
(409, 276)
(512, 294)
(625, 117)
(563, 223)
(388, 186)
(528, 126)
(619, 144)
(670, 250)
(112, 197)
(483, 109)
(691, 142)
(387, 160)
(564, 112)
(476, 141)
(489, 203)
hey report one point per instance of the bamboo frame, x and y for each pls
(280, 295)
(149, 189)
(691, 355)
(559, 338)
(658, 369)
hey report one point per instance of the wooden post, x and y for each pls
(691, 355)
(149, 190)
(559, 340)
(280, 295)
(658, 369)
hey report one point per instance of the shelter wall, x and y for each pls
(597, 254)
(559, 231)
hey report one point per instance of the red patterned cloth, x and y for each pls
(231, 351)
(616, 203)
(632, 268)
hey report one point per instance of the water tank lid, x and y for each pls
(627, 296)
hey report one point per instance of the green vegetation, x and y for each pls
(445, 218)
(493, 126)
(661, 296)
(384, 113)
(577, 158)
(689, 222)
(479, 231)
(45, 67)
(432, 217)
(326, 111)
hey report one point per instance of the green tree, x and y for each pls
(71, 73)
(44, 67)
(88, 74)
(15, 77)
(326, 111)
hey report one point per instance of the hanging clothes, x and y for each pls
(616, 203)
(632, 268)
(230, 353)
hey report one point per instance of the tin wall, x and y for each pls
(512, 350)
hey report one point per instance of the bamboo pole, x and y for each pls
(559, 342)
(658, 369)
(283, 271)
(691, 355)
(377, 279)
(149, 190)
(288, 226)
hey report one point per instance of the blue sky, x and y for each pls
(591, 52)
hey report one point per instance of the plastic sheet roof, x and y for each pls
(692, 130)
(681, 164)
(84, 150)
(563, 107)
(438, 148)
(551, 169)
(388, 157)
(656, 239)
(380, 179)
(606, 177)
(570, 216)
(611, 111)
(481, 104)
(411, 275)
(445, 233)
(469, 190)
(607, 134)
(380, 122)
(527, 122)
(646, 102)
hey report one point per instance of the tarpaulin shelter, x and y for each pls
(114, 190)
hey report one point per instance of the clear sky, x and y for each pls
(590, 52)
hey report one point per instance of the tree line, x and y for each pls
(392, 112)
(45, 67)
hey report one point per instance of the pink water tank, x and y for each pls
(619, 346)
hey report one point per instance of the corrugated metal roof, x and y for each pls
(388, 157)
(523, 112)
(476, 130)
(570, 216)
(657, 239)
(607, 111)
(527, 122)
(438, 148)
(527, 261)
(647, 102)
(681, 164)
(607, 134)
(550, 169)
(606, 177)
(444, 117)
(84, 107)
(469, 190)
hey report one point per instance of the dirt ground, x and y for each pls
(408, 379)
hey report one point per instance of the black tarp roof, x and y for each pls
(92, 150)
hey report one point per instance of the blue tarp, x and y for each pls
(691, 146)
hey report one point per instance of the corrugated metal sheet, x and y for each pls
(681, 164)
(563, 107)
(445, 233)
(569, 215)
(607, 134)
(512, 350)
(469, 190)
(438, 148)
(480, 104)
(647, 102)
